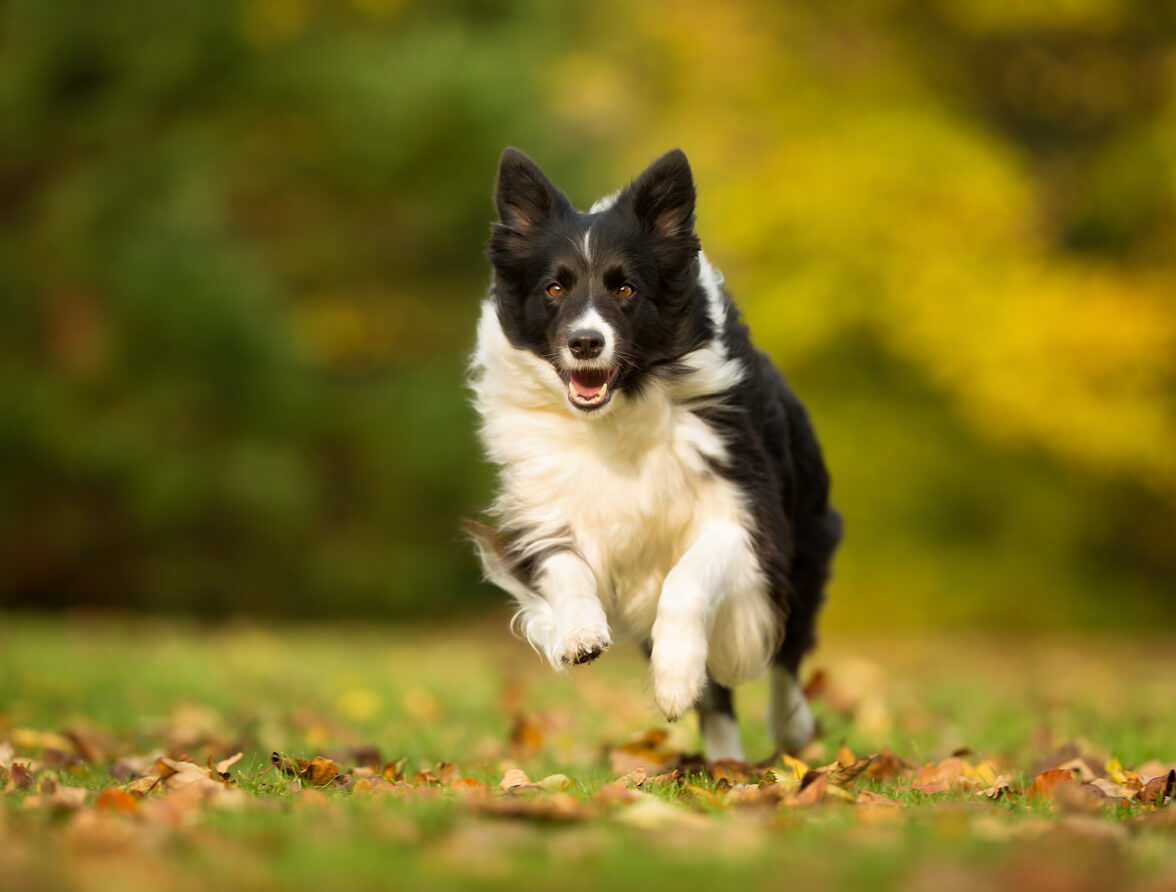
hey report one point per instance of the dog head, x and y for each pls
(603, 296)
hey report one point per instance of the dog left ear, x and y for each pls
(662, 198)
(525, 197)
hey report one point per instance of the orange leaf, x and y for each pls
(114, 799)
(1048, 781)
(320, 772)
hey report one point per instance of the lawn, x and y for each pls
(450, 757)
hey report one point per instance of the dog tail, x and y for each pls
(533, 620)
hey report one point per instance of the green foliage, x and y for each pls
(240, 261)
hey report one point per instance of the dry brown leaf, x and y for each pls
(20, 778)
(1112, 790)
(223, 766)
(320, 772)
(128, 767)
(887, 765)
(634, 778)
(842, 774)
(814, 791)
(1158, 790)
(514, 778)
(1000, 787)
(1079, 768)
(731, 771)
(1048, 781)
(141, 786)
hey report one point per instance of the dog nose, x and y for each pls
(586, 343)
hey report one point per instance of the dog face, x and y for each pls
(604, 297)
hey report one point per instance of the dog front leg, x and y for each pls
(578, 630)
(718, 561)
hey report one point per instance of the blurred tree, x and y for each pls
(239, 267)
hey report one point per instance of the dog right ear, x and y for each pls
(524, 196)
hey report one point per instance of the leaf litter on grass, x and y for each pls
(98, 794)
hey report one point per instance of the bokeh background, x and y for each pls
(240, 263)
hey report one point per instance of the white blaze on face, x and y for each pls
(594, 321)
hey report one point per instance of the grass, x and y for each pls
(433, 695)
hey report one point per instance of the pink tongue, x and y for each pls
(590, 385)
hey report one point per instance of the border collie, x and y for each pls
(658, 479)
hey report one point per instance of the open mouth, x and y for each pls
(589, 388)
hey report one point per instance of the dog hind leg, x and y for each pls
(717, 724)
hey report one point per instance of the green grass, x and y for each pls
(431, 694)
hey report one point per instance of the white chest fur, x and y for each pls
(630, 491)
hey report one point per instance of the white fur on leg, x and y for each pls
(717, 567)
(790, 722)
(578, 630)
(720, 736)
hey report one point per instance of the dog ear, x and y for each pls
(662, 198)
(523, 194)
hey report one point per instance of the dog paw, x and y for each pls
(675, 696)
(678, 661)
(582, 646)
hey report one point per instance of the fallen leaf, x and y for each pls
(731, 771)
(320, 772)
(223, 766)
(1158, 790)
(842, 774)
(1048, 781)
(791, 767)
(998, 788)
(845, 755)
(555, 783)
(634, 778)
(1113, 790)
(814, 791)
(114, 799)
(887, 765)
(20, 778)
(514, 778)
(644, 751)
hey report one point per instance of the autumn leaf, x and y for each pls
(1159, 790)
(114, 799)
(514, 779)
(644, 751)
(1048, 781)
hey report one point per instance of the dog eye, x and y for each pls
(625, 290)
(554, 290)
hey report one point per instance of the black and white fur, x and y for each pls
(658, 478)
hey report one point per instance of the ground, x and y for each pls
(437, 757)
